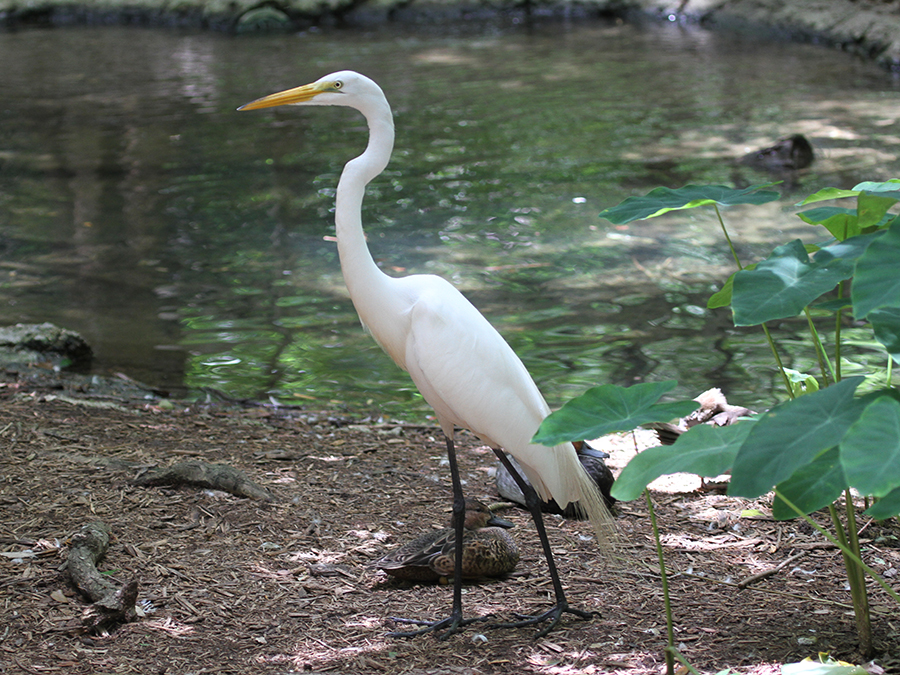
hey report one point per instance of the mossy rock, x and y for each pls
(30, 343)
(264, 20)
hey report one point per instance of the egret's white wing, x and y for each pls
(473, 379)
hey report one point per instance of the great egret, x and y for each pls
(459, 362)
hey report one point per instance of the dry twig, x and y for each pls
(753, 578)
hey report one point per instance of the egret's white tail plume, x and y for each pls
(591, 503)
(459, 362)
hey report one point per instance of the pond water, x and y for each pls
(188, 242)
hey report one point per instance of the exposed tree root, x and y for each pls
(203, 474)
(111, 605)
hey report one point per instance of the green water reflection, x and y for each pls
(187, 241)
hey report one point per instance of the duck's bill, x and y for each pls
(500, 522)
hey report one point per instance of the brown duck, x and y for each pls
(788, 154)
(488, 550)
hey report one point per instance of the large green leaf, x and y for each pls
(886, 325)
(704, 450)
(888, 190)
(887, 507)
(842, 223)
(821, 214)
(812, 486)
(885, 188)
(828, 193)
(609, 408)
(662, 200)
(722, 297)
(793, 434)
(849, 250)
(783, 284)
(872, 209)
(870, 450)
(876, 283)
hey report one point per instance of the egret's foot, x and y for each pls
(452, 624)
(552, 615)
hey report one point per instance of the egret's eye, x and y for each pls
(338, 84)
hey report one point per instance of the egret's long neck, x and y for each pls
(360, 271)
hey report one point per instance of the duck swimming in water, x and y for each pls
(788, 154)
(488, 550)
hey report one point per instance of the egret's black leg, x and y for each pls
(455, 621)
(533, 502)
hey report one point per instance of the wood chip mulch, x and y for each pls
(237, 585)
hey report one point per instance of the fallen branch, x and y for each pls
(212, 476)
(753, 578)
(111, 605)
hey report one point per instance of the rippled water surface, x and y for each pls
(188, 242)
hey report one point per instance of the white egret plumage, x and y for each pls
(462, 366)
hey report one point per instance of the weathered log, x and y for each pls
(212, 476)
(111, 605)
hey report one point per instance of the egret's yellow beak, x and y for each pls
(289, 96)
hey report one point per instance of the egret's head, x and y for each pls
(345, 88)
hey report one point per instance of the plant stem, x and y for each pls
(784, 375)
(856, 580)
(667, 602)
(678, 655)
(734, 254)
(821, 355)
(853, 556)
(863, 616)
(827, 535)
(837, 337)
(737, 261)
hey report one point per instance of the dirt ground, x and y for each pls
(233, 585)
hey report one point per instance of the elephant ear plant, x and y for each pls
(831, 434)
